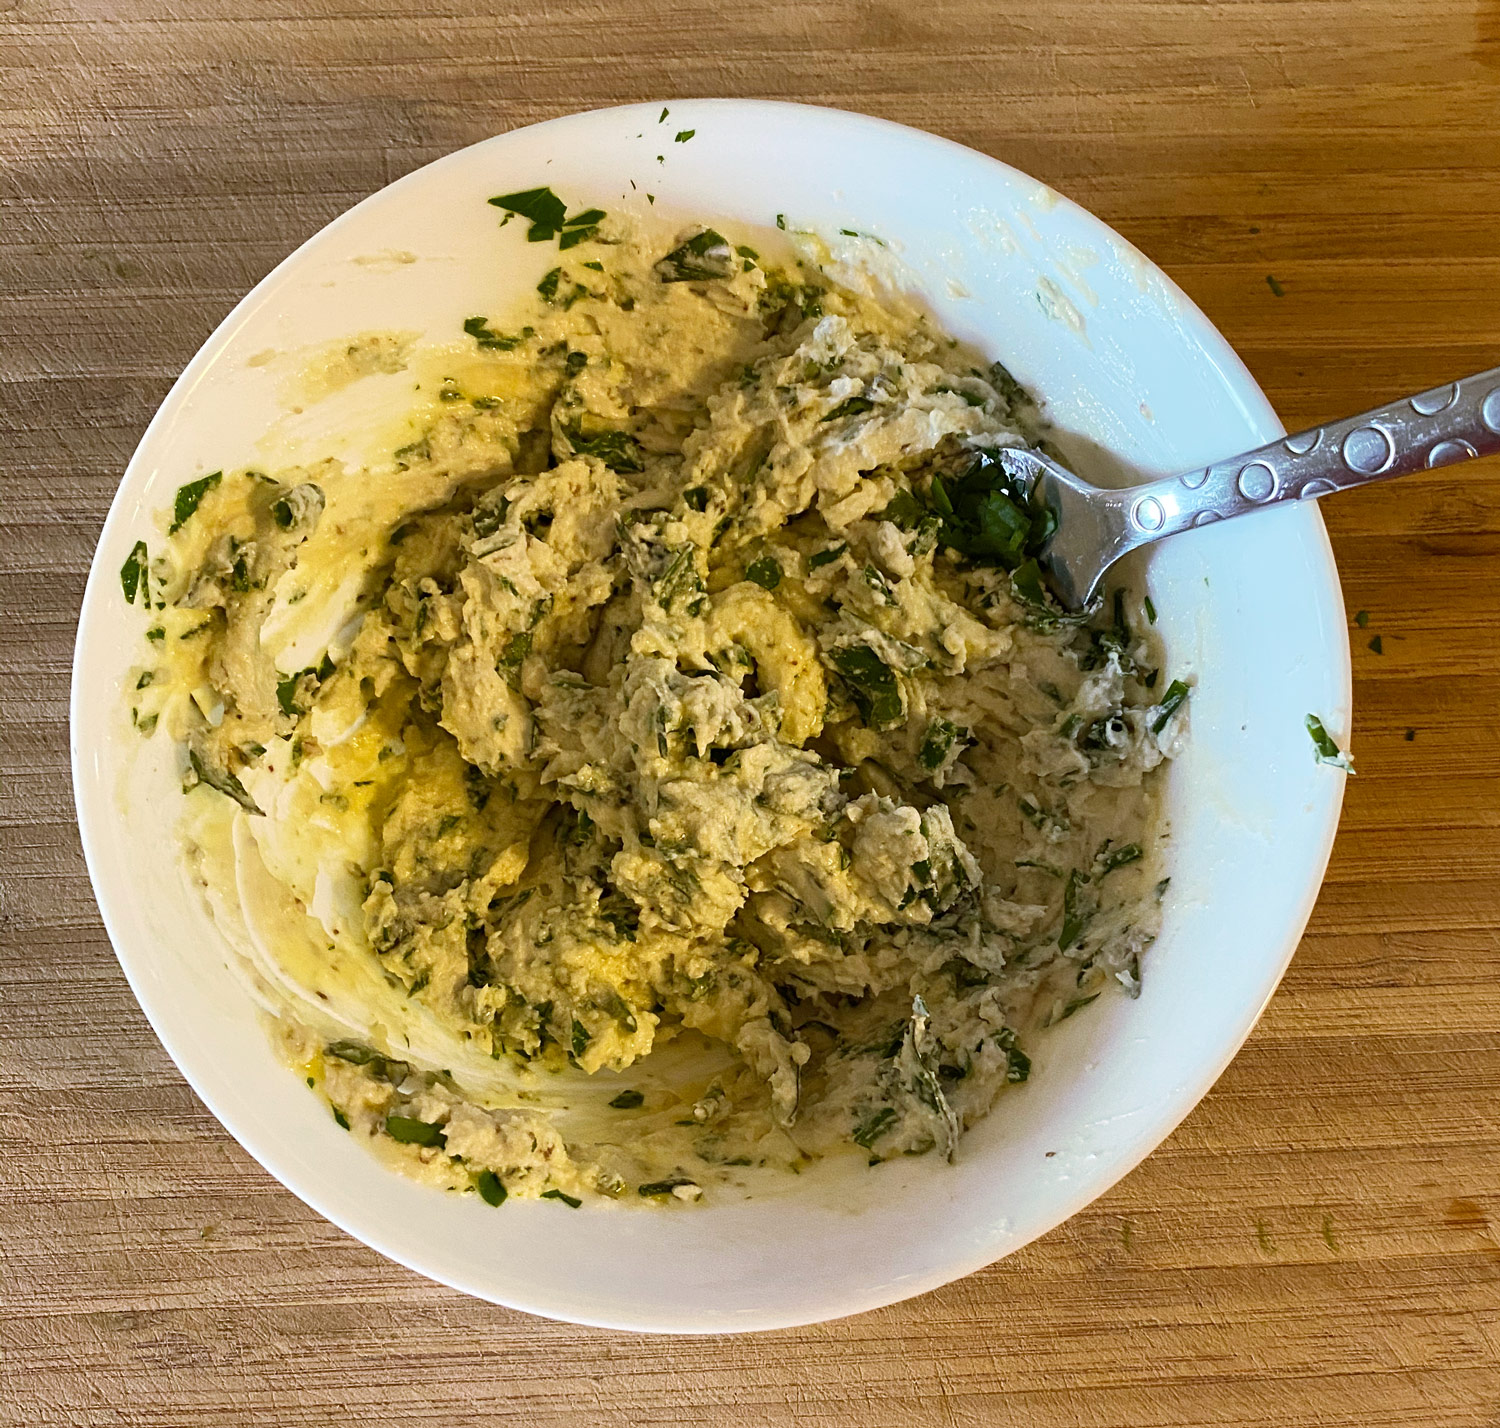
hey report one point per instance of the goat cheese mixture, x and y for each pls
(669, 762)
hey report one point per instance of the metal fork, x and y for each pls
(1096, 526)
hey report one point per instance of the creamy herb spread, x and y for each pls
(669, 762)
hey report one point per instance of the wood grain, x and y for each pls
(1320, 1243)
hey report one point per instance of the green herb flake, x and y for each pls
(190, 497)
(657, 1188)
(1327, 751)
(937, 743)
(851, 406)
(662, 117)
(1150, 610)
(905, 510)
(491, 1188)
(765, 572)
(696, 498)
(407, 1130)
(491, 341)
(872, 685)
(1073, 921)
(354, 1052)
(548, 285)
(628, 1101)
(1411, 735)
(580, 229)
(1276, 289)
(220, 779)
(581, 1038)
(826, 557)
(1376, 645)
(869, 1130)
(1173, 700)
(1361, 618)
(1026, 585)
(340, 1119)
(616, 449)
(571, 1201)
(133, 574)
(703, 257)
(286, 695)
(540, 206)
(516, 650)
(1076, 1005)
(683, 135)
(1111, 858)
(986, 515)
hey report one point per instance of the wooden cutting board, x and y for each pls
(1320, 1243)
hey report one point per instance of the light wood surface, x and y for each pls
(1319, 1244)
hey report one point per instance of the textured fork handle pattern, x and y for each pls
(1449, 423)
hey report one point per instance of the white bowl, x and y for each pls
(1251, 608)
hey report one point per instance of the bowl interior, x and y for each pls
(1135, 379)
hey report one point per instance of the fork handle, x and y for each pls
(1450, 423)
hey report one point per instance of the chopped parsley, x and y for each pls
(1327, 751)
(986, 515)
(1074, 920)
(937, 743)
(826, 557)
(1276, 289)
(616, 449)
(491, 341)
(580, 228)
(1362, 618)
(655, 1188)
(571, 1201)
(1171, 702)
(190, 497)
(765, 572)
(491, 1188)
(408, 1130)
(872, 685)
(220, 779)
(1376, 645)
(1077, 1004)
(850, 406)
(704, 256)
(542, 208)
(1018, 1066)
(1111, 858)
(683, 135)
(869, 1130)
(1026, 585)
(905, 510)
(133, 574)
